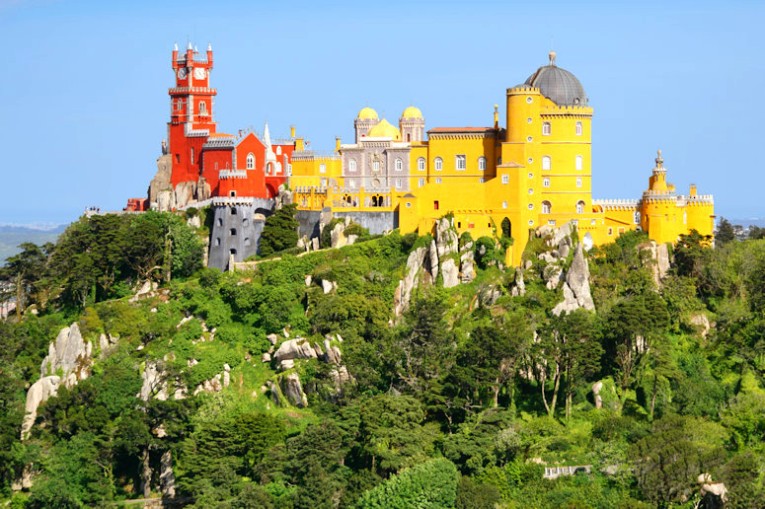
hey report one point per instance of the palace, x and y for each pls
(497, 180)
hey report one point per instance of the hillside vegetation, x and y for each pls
(296, 385)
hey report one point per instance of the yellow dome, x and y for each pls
(367, 113)
(412, 112)
(384, 130)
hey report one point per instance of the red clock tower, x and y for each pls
(191, 113)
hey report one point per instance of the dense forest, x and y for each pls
(312, 381)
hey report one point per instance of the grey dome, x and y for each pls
(558, 85)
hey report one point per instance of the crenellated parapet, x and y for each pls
(617, 204)
(232, 174)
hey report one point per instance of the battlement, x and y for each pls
(310, 155)
(232, 174)
(220, 142)
(310, 189)
(617, 204)
(192, 90)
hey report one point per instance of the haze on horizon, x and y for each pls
(86, 85)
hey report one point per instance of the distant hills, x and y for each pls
(13, 235)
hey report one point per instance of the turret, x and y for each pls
(175, 56)
(209, 56)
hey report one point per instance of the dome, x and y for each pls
(558, 85)
(367, 113)
(384, 130)
(412, 112)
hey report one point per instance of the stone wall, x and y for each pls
(376, 222)
(309, 221)
(236, 230)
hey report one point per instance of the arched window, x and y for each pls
(578, 128)
(399, 165)
(352, 165)
(482, 163)
(580, 207)
(579, 162)
(546, 207)
(278, 151)
(421, 164)
(546, 163)
(439, 164)
(203, 108)
(637, 217)
(545, 182)
(507, 228)
(250, 161)
(546, 128)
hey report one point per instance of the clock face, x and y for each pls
(199, 73)
(182, 73)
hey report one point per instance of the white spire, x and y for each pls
(209, 46)
(270, 156)
(190, 46)
(175, 47)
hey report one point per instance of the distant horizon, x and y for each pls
(85, 130)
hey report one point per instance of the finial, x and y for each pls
(659, 159)
(189, 46)
(175, 47)
(209, 46)
(552, 56)
(496, 108)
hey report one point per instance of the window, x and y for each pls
(352, 165)
(528, 120)
(531, 222)
(545, 182)
(217, 241)
(505, 179)
(435, 205)
(421, 182)
(578, 128)
(546, 163)
(376, 165)
(481, 180)
(579, 182)
(531, 175)
(250, 161)
(232, 251)
(398, 184)
(529, 99)
(421, 164)
(203, 108)
(482, 163)
(531, 191)
(352, 184)
(551, 222)
(439, 164)
(247, 241)
(233, 211)
(409, 205)
(580, 207)
(546, 207)
(610, 231)
(220, 221)
(546, 128)
(233, 231)
(499, 160)
(531, 206)
(578, 162)
(438, 180)
(322, 168)
(531, 160)
(399, 165)
(459, 162)
(232, 194)
(192, 155)
(245, 222)
(504, 204)
(278, 150)
(529, 139)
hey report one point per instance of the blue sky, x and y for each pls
(85, 84)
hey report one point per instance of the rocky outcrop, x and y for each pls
(297, 348)
(415, 266)
(338, 236)
(450, 273)
(576, 289)
(467, 262)
(161, 196)
(40, 391)
(68, 356)
(715, 494)
(447, 241)
(154, 382)
(596, 388)
(106, 343)
(293, 390)
(185, 194)
(658, 254)
(146, 290)
(519, 286)
(166, 475)
(700, 322)
(328, 286)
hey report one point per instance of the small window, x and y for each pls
(531, 175)
(531, 206)
(233, 232)
(529, 139)
(398, 184)
(322, 168)
(499, 160)
(399, 165)
(578, 128)
(505, 179)
(637, 217)
(531, 191)
(504, 204)
(250, 161)
(578, 162)
(220, 221)
(217, 241)
(531, 222)
(610, 231)
(546, 128)
(580, 207)
(459, 224)
(546, 207)
(481, 180)
(531, 160)
(439, 164)
(232, 251)
(233, 211)
(245, 222)
(551, 222)
(438, 180)
(232, 194)
(435, 205)
(203, 108)
(528, 120)
(409, 205)
(278, 150)
(421, 164)
(247, 241)
(460, 163)
(579, 182)
(421, 182)
(545, 182)
(352, 165)
(482, 163)
(546, 163)
(529, 100)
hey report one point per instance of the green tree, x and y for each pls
(430, 485)
(23, 272)
(280, 231)
(725, 232)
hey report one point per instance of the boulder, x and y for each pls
(569, 303)
(297, 348)
(185, 193)
(596, 388)
(488, 296)
(328, 286)
(414, 267)
(69, 356)
(578, 280)
(273, 338)
(337, 235)
(286, 364)
(519, 290)
(154, 383)
(659, 256)
(106, 344)
(226, 375)
(701, 323)
(450, 273)
(38, 393)
(293, 390)
(266, 357)
(447, 240)
(552, 275)
(433, 260)
(467, 264)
